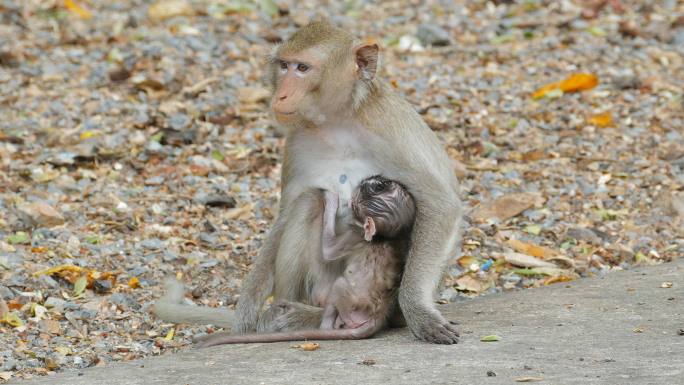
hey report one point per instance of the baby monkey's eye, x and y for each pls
(384, 185)
(301, 67)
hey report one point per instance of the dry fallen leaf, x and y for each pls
(469, 283)
(308, 346)
(533, 155)
(77, 9)
(505, 207)
(530, 249)
(58, 269)
(239, 212)
(6, 376)
(73, 273)
(38, 312)
(80, 285)
(525, 260)
(134, 283)
(11, 319)
(170, 334)
(573, 83)
(666, 285)
(529, 379)
(490, 338)
(579, 82)
(4, 309)
(51, 326)
(558, 279)
(601, 120)
(63, 350)
(166, 9)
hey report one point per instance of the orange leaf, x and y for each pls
(308, 346)
(573, 83)
(541, 92)
(601, 120)
(579, 82)
(530, 249)
(531, 156)
(558, 278)
(14, 305)
(59, 269)
(134, 283)
(77, 9)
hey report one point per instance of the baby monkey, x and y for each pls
(372, 246)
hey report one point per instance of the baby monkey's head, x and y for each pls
(383, 206)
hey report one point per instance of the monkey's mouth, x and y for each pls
(284, 113)
(285, 117)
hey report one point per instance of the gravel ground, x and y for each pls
(135, 143)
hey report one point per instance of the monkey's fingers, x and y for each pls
(438, 332)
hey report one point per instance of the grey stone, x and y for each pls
(124, 300)
(430, 34)
(152, 244)
(154, 181)
(9, 364)
(584, 234)
(54, 303)
(6, 293)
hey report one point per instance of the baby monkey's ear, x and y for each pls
(368, 229)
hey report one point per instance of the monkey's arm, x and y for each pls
(333, 246)
(434, 235)
(258, 284)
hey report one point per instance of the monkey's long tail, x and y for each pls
(222, 338)
(170, 308)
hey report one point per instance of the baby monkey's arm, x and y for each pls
(333, 246)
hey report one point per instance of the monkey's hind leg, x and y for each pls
(284, 316)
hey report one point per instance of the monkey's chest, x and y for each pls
(338, 169)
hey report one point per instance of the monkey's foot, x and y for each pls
(246, 319)
(436, 329)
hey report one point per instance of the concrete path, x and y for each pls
(623, 329)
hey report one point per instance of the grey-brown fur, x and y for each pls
(382, 134)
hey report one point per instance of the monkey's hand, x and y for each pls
(428, 324)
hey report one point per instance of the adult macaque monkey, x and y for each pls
(343, 124)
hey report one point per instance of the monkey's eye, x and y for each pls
(283, 65)
(301, 67)
(381, 186)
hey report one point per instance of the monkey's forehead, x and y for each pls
(313, 55)
(317, 33)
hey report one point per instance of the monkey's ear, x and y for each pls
(366, 60)
(368, 229)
